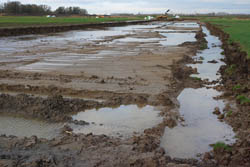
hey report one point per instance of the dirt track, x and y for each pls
(57, 76)
(132, 68)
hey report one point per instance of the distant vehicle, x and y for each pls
(163, 17)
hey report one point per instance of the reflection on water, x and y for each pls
(177, 38)
(208, 70)
(124, 120)
(201, 128)
(187, 25)
(51, 52)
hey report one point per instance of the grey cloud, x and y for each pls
(149, 6)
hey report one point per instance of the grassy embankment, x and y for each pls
(21, 21)
(238, 29)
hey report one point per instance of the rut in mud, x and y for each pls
(109, 96)
(200, 127)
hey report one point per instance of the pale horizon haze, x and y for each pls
(149, 6)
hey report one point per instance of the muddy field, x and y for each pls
(136, 95)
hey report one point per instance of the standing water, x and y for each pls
(22, 127)
(123, 121)
(201, 127)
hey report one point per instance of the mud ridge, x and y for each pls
(54, 108)
(181, 73)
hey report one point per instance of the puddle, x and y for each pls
(201, 127)
(186, 25)
(58, 40)
(136, 27)
(22, 127)
(130, 39)
(41, 66)
(105, 53)
(208, 70)
(196, 105)
(160, 30)
(75, 49)
(120, 122)
(177, 38)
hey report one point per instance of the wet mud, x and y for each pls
(127, 68)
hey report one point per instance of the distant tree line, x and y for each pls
(70, 11)
(16, 8)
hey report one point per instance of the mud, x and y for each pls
(108, 75)
(54, 108)
(109, 71)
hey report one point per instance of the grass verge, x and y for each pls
(237, 28)
(22, 21)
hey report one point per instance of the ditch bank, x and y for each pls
(4, 32)
(235, 85)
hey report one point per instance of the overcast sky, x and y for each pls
(150, 6)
